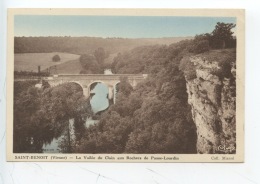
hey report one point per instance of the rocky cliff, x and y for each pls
(212, 96)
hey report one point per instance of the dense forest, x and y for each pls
(152, 118)
(155, 117)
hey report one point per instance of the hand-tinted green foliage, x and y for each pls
(152, 118)
(40, 115)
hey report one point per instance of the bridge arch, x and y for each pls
(99, 81)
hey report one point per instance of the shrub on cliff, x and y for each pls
(188, 68)
(225, 58)
(225, 66)
(200, 44)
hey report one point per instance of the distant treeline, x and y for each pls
(83, 45)
(30, 74)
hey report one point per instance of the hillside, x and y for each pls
(70, 67)
(31, 61)
(85, 45)
(31, 52)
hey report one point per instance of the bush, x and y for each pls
(200, 46)
(225, 66)
(188, 68)
(89, 65)
(56, 58)
(223, 71)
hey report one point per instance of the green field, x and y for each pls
(31, 61)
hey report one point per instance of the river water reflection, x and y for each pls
(99, 101)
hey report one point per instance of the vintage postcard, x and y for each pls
(125, 85)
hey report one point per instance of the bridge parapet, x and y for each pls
(98, 76)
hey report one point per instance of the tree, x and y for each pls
(56, 58)
(124, 86)
(100, 55)
(200, 44)
(188, 68)
(89, 64)
(222, 35)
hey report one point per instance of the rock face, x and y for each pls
(213, 100)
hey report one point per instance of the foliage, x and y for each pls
(140, 60)
(94, 64)
(225, 58)
(200, 44)
(89, 65)
(100, 55)
(22, 86)
(26, 108)
(152, 118)
(188, 68)
(124, 86)
(42, 115)
(31, 75)
(220, 38)
(222, 35)
(56, 58)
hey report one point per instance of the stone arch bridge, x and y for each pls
(85, 81)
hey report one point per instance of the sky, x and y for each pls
(115, 26)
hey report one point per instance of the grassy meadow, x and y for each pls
(31, 61)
